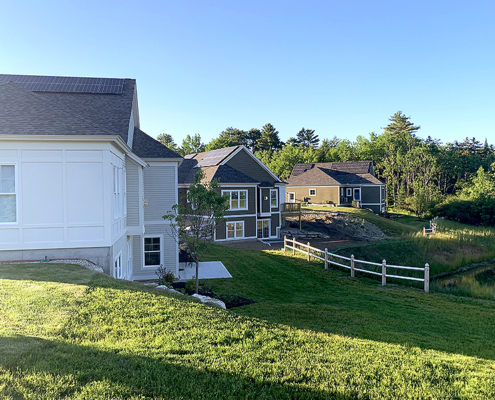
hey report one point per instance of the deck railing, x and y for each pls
(290, 207)
(350, 263)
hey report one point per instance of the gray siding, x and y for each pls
(159, 190)
(251, 200)
(265, 204)
(274, 224)
(182, 196)
(249, 228)
(244, 163)
(132, 182)
(370, 194)
(168, 252)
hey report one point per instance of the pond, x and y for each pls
(477, 282)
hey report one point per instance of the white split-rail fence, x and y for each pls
(326, 257)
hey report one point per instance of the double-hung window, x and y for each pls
(273, 198)
(235, 230)
(117, 211)
(238, 199)
(152, 251)
(8, 194)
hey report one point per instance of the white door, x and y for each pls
(292, 197)
(118, 267)
(129, 260)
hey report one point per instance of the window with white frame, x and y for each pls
(152, 251)
(235, 230)
(238, 199)
(348, 192)
(274, 198)
(118, 267)
(117, 206)
(312, 192)
(8, 194)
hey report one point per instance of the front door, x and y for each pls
(357, 194)
(263, 228)
(292, 197)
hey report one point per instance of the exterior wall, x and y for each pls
(370, 194)
(265, 204)
(119, 247)
(375, 208)
(251, 197)
(244, 163)
(182, 196)
(159, 190)
(323, 194)
(133, 199)
(274, 224)
(64, 197)
(249, 228)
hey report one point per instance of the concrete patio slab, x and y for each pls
(207, 270)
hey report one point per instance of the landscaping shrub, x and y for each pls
(164, 277)
(479, 211)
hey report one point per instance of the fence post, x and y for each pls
(293, 246)
(309, 254)
(427, 278)
(326, 258)
(384, 273)
(285, 239)
(352, 265)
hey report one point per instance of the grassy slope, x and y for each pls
(66, 332)
(454, 246)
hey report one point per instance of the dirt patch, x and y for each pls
(322, 230)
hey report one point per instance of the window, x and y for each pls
(238, 199)
(117, 209)
(235, 230)
(273, 198)
(152, 251)
(118, 266)
(357, 194)
(8, 198)
(348, 192)
(312, 192)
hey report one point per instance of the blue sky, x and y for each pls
(339, 67)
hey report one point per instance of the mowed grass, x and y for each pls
(70, 333)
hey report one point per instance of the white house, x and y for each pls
(79, 179)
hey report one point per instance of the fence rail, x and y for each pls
(330, 259)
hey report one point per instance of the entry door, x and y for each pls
(263, 228)
(118, 267)
(292, 197)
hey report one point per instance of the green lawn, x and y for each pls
(70, 333)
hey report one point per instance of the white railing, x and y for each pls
(350, 263)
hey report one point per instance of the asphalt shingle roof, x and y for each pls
(145, 146)
(324, 176)
(223, 173)
(350, 167)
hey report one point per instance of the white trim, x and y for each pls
(238, 199)
(312, 195)
(235, 230)
(254, 157)
(269, 227)
(15, 194)
(135, 230)
(240, 215)
(276, 199)
(225, 185)
(118, 258)
(354, 194)
(288, 197)
(371, 204)
(229, 240)
(161, 250)
(137, 160)
(348, 192)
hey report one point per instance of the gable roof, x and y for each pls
(223, 173)
(47, 105)
(350, 167)
(320, 174)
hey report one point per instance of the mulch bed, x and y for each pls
(230, 300)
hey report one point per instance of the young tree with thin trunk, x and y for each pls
(195, 222)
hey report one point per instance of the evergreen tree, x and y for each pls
(228, 138)
(269, 139)
(192, 144)
(307, 138)
(252, 138)
(167, 140)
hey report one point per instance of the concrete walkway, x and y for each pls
(207, 270)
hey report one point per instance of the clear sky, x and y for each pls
(339, 67)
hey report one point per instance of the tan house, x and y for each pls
(337, 183)
(255, 192)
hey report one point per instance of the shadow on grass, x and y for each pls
(49, 369)
(304, 295)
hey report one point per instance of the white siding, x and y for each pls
(132, 172)
(160, 191)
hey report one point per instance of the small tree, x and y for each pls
(195, 222)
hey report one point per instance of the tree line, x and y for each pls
(423, 176)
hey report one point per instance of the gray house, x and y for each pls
(255, 192)
(337, 183)
(80, 179)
